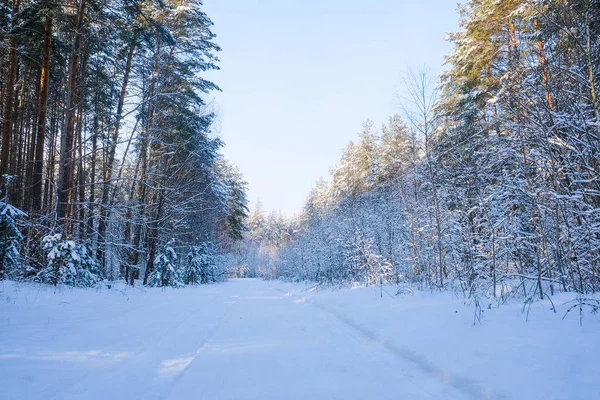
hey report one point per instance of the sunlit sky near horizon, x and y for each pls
(300, 77)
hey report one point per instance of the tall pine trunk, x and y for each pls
(65, 180)
(8, 102)
(38, 167)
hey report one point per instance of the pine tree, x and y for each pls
(165, 271)
(10, 239)
(200, 266)
(68, 263)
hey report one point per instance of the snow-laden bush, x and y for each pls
(69, 263)
(365, 264)
(165, 271)
(10, 238)
(200, 265)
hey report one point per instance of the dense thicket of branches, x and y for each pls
(106, 137)
(491, 182)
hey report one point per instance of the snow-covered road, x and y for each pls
(267, 344)
(245, 339)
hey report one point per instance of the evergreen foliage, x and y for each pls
(165, 271)
(106, 135)
(68, 263)
(200, 266)
(10, 239)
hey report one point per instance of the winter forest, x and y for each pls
(481, 191)
(487, 179)
(109, 168)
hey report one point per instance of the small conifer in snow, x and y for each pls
(165, 271)
(69, 263)
(200, 266)
(10, 238)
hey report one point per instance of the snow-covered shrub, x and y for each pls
(365, 264)
(165, 271)
(200, 266)
(10, 238)
(69, 263)
(222, 262)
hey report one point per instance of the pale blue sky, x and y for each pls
(300, 77)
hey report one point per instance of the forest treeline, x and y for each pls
(108, 166)
(488, 181)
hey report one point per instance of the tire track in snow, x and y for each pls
(201, 346)
(466, 386)
(152, 342)
(145, 352)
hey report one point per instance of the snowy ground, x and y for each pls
(250, 339)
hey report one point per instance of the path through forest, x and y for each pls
(245, 339)
(254, 339)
